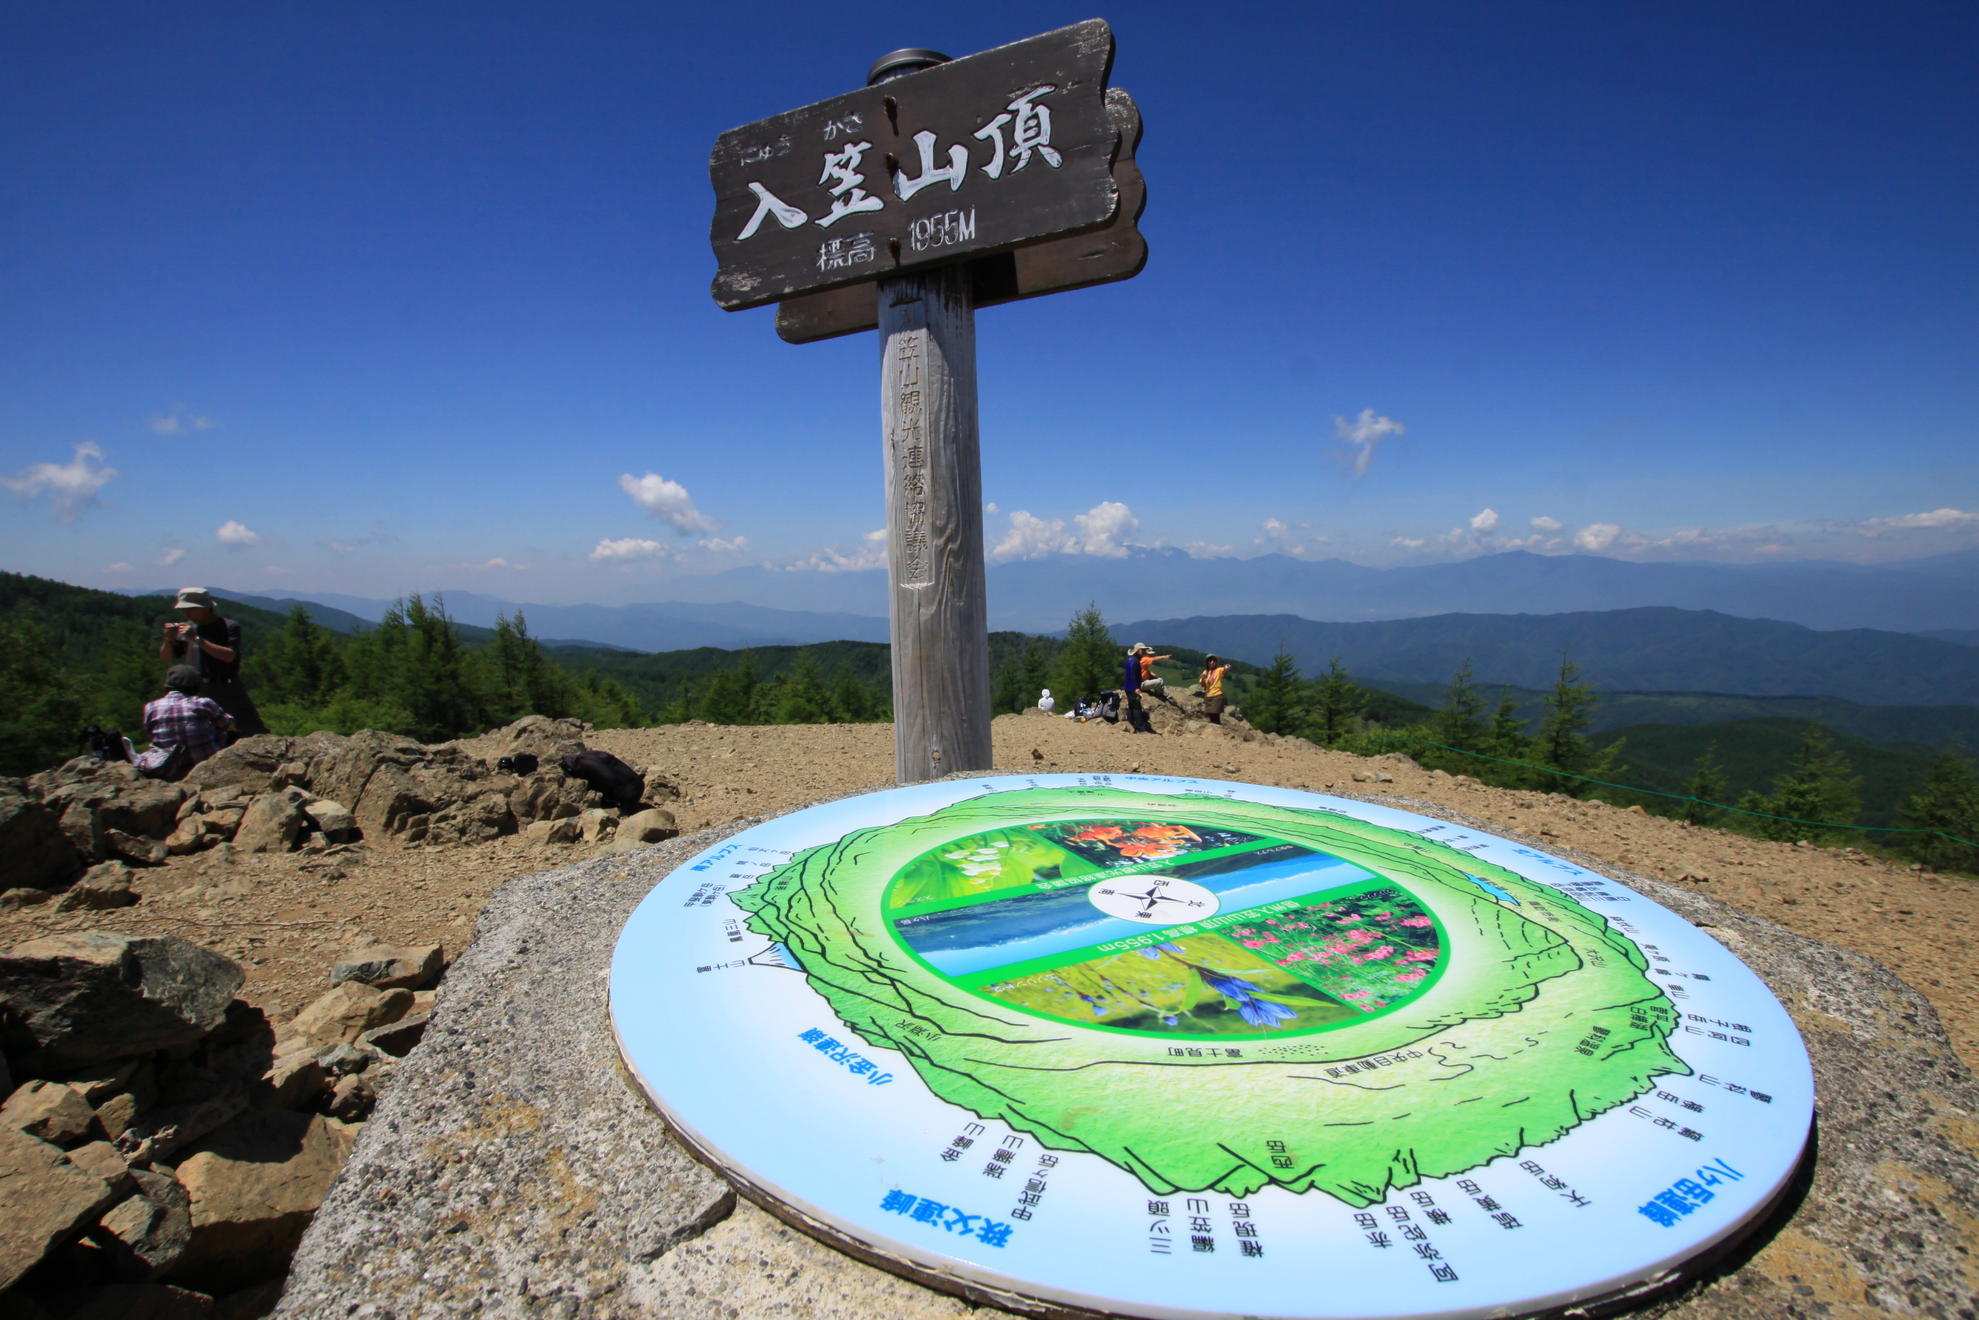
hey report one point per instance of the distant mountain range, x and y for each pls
(671, 626)
(1639, 650)
(1040, 595)
(1933, 595)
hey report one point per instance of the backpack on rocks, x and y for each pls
(621, 785)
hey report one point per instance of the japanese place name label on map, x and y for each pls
(976, 156)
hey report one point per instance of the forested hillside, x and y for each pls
(73, 657)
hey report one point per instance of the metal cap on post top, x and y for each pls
(906, 60)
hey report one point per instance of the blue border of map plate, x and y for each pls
(750, 1066)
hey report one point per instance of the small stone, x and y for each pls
(253, 1187)
(294, 1082)
(343, 1059)
(354, 1097)
(398, 1038)
(13, 900)
(561, 830)
(336, 821)
(136, 847)
(105, 885)
(194, 833)
(653, 825)
(45, 1198)
(145, 1234)
(50, 1111)
(388, 967)
(274, 822)
(348, 1011)
(116, 1114)
(99, 1159)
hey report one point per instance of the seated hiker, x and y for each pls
(183, 727)
(1151, 683)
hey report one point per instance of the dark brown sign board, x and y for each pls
(978, 156)
(1115, 251)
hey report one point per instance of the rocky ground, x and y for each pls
(286, 917)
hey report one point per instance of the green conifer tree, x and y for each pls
(1707, 784)
(1090, 661)
(1460, 723)
(1562, 742)
(1947, 802)
(1277, 703)
(1336, 705)
(1817, 788)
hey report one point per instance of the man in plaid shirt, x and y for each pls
(182, 719)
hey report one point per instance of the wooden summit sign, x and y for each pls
(944, 186)
(976, 160)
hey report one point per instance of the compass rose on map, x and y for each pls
(1153, 900)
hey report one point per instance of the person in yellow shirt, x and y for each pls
(1212, 681)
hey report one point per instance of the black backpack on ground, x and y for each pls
(620, 783)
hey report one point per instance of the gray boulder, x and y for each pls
(91, 797)
(252, 764)
(38, 853)
(273, 822)
(70, 1000)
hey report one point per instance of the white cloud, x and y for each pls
(339, 547)
(632, 547)
(991, 508)
(70, 486)
(1545, 524)
(119, 567)
(1407, 542)
(1288, 538)
(232, 532)
(499, 562)
(171, 556)
(1106, 526)
(871, 554)
(725, 545)
(181, 422)
(668, 501)
(1596, 537)
(1209, 550)
(1364, 435)
(1032, 537)
(1102, 530)
(1485, 520)
(1936, 518)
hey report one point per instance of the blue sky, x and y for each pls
(378, 297)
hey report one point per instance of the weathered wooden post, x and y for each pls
(936, 604)
(1046, 151)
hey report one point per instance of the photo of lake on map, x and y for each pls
(1000, 932)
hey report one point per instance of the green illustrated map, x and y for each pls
(1218, 994)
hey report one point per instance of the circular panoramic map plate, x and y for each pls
(1184, 1047)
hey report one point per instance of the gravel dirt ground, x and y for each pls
(286, 918)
